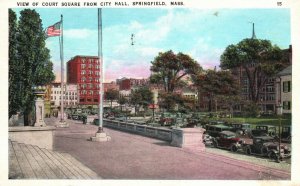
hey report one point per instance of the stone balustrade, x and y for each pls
(162, 134)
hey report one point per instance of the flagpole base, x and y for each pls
(100, 136)
(62, 124)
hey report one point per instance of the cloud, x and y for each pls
(207, 56)
(79, 33)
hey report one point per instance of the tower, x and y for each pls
(253, 32)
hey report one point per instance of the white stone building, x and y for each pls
(284, 91)
(70, 95)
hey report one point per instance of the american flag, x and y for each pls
(53, 30)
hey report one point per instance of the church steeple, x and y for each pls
(253, 32)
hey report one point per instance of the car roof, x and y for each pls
(264, 137)
(265, 126)
(220, 126)
(226, 132)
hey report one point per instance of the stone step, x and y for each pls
(31, 162)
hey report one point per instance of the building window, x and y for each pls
(270, 88)
(287, 86)
(82, 72)
(83, 60)
(82, 66)
(287, 105)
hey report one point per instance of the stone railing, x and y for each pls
(162, 134)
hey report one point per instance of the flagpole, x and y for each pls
(100, 134)
(100, 57)
(62, 71)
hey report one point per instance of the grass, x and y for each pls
(257, 121)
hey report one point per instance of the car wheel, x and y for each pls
(234, 148)
(248, 150)
(272, 155)
(215, 143)
(264, 151)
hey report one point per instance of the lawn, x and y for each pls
(256, 121)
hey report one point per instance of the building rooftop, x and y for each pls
(286, 71)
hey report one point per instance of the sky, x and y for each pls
(201, 33)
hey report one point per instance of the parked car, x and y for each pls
(267, 146)
(241, 128)
(214, 130)
(227, 140)
(268, 129)
(256, 133)
(286, 132)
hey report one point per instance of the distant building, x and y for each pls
(110, 86)
(284, 91)
(70, 93)
(84, 71)
(129, 83)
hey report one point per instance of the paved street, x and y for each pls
(129, 156)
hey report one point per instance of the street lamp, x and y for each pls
(279, 132)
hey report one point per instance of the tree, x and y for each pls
(122, 101)
(141, 97)
(111, 95)
(168, 69)
(168, 100)
(258, 58)
(33, 59)
(216, 84)
(14, 67)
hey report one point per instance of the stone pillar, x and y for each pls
(39, 93)
(39, 113)
(190, 138)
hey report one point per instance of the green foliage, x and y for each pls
(32, 64)
(111, 95)
(168, 69)
(141, 97)
(258, 58)
(122, 100)
(168, 100)
(219, 85)
(14, 68)
(250, 109)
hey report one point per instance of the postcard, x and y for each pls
(149, 92)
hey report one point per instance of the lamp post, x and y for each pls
(279, 132)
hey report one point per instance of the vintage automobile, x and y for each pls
(267, 146)
(227, 140)
(286, 132)
(257, 133)
(214, 130)
(268, 129)
(241, 128)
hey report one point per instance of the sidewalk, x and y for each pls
(129, 156)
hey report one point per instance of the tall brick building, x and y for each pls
(84, 71)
